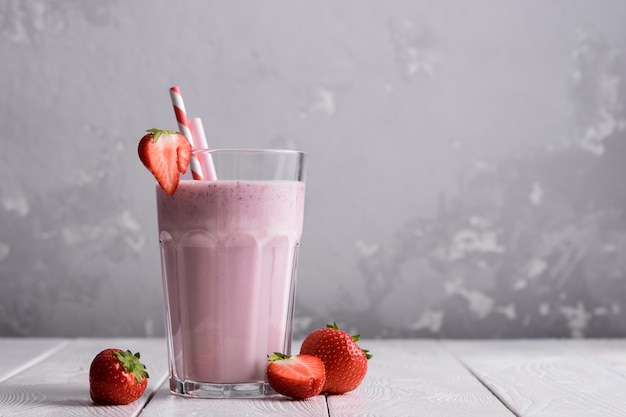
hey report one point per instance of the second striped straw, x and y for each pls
(199, 138)
(199, 171)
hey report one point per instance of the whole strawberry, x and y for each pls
(117, 377)
(298, 377)
(166, 154)
(344, 361)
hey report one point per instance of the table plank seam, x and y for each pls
(477, 377)
(327, 405)
(154, 391)
(484, 384)
(35, 360)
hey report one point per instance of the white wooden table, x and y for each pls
(49, 377)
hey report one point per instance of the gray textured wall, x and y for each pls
(467, 159)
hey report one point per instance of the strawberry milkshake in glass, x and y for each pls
(229, 251)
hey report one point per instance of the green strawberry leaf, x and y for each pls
(277, 356)
(132, 364)
(159, 132)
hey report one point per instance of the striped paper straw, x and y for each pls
(183, 126)
(206, 161)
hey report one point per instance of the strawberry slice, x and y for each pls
(166, 154)
(298, 377)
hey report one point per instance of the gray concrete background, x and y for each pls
(467, 159)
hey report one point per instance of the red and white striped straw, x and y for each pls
(183, 125)
(206, 161)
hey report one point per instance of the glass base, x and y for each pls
(212, 390)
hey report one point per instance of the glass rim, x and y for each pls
(248, 150)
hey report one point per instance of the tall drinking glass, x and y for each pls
(229, 252)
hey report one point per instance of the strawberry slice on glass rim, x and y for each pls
(166, 154)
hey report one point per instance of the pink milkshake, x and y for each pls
(229, 252)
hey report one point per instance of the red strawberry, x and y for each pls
(117, 377)
(166, 154)
(298, 377)
(344, 361)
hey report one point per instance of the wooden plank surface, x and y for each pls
(416, 378)
(555, 378)
(18, 354)
(59, 384)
